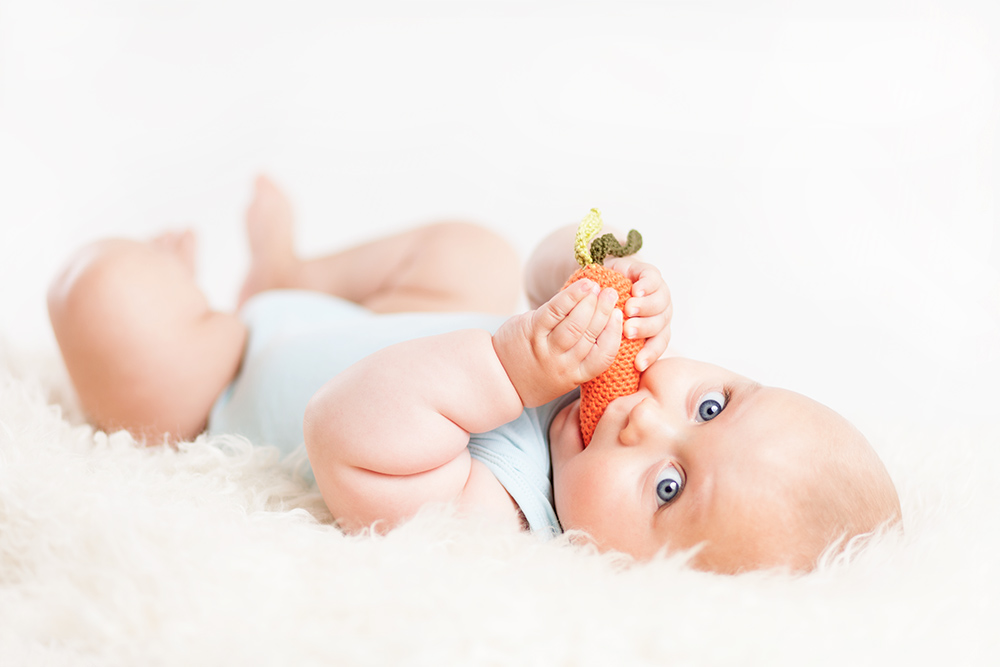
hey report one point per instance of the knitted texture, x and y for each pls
(589, 227)
(608, 245)
(621, 378)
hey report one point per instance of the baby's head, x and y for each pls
(756, 476)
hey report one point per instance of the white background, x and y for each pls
(817, 180)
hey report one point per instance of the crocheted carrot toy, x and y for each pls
(622, 378)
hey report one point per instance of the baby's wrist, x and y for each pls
(513, 348)
(505, 347)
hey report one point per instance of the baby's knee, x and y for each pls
(488, 265)
(475, 242)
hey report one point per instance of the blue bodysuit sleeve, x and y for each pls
(517, 453)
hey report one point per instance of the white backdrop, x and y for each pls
(818, 180)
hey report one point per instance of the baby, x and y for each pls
(397, 364)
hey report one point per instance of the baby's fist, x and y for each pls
(568, 340)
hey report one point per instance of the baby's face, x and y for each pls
(698, 456)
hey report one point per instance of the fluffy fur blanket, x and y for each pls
(219, 553)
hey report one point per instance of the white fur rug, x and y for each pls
(220, 554)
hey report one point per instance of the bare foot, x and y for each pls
(270, 227)
(181, 244)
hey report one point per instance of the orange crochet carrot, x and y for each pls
(622, 378)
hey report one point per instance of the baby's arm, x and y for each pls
(390, 434)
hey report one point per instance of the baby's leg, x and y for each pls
(143, 348)
(551, 263)
(440, 267)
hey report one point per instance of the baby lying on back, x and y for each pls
(399, 367)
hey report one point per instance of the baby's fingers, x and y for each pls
(649, 299)
(650, 294)
(645, 277)
(646, 327)
(605, 349)
(558, 308)
(652, 349)
(583, 325)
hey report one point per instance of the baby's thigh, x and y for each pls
(455, 266)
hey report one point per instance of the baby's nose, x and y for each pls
(648, 421)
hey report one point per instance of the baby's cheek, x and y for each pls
(579, 495)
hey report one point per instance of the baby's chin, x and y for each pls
(565, 440)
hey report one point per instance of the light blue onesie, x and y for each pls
(298, 340)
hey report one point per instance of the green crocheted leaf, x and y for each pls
(608, 245)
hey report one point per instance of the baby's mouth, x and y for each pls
(567, 428)
(597, 396)
(574, 418)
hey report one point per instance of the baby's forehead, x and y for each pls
(784, 430)
(791, 412)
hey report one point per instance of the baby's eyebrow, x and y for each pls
(750, 386)
(741, 396)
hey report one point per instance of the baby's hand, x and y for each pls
(570, 339)
(649, 309)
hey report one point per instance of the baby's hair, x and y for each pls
(850, 495)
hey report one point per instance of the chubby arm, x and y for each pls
(390, 434)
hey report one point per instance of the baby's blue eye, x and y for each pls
(668, 485)
(710, 405)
